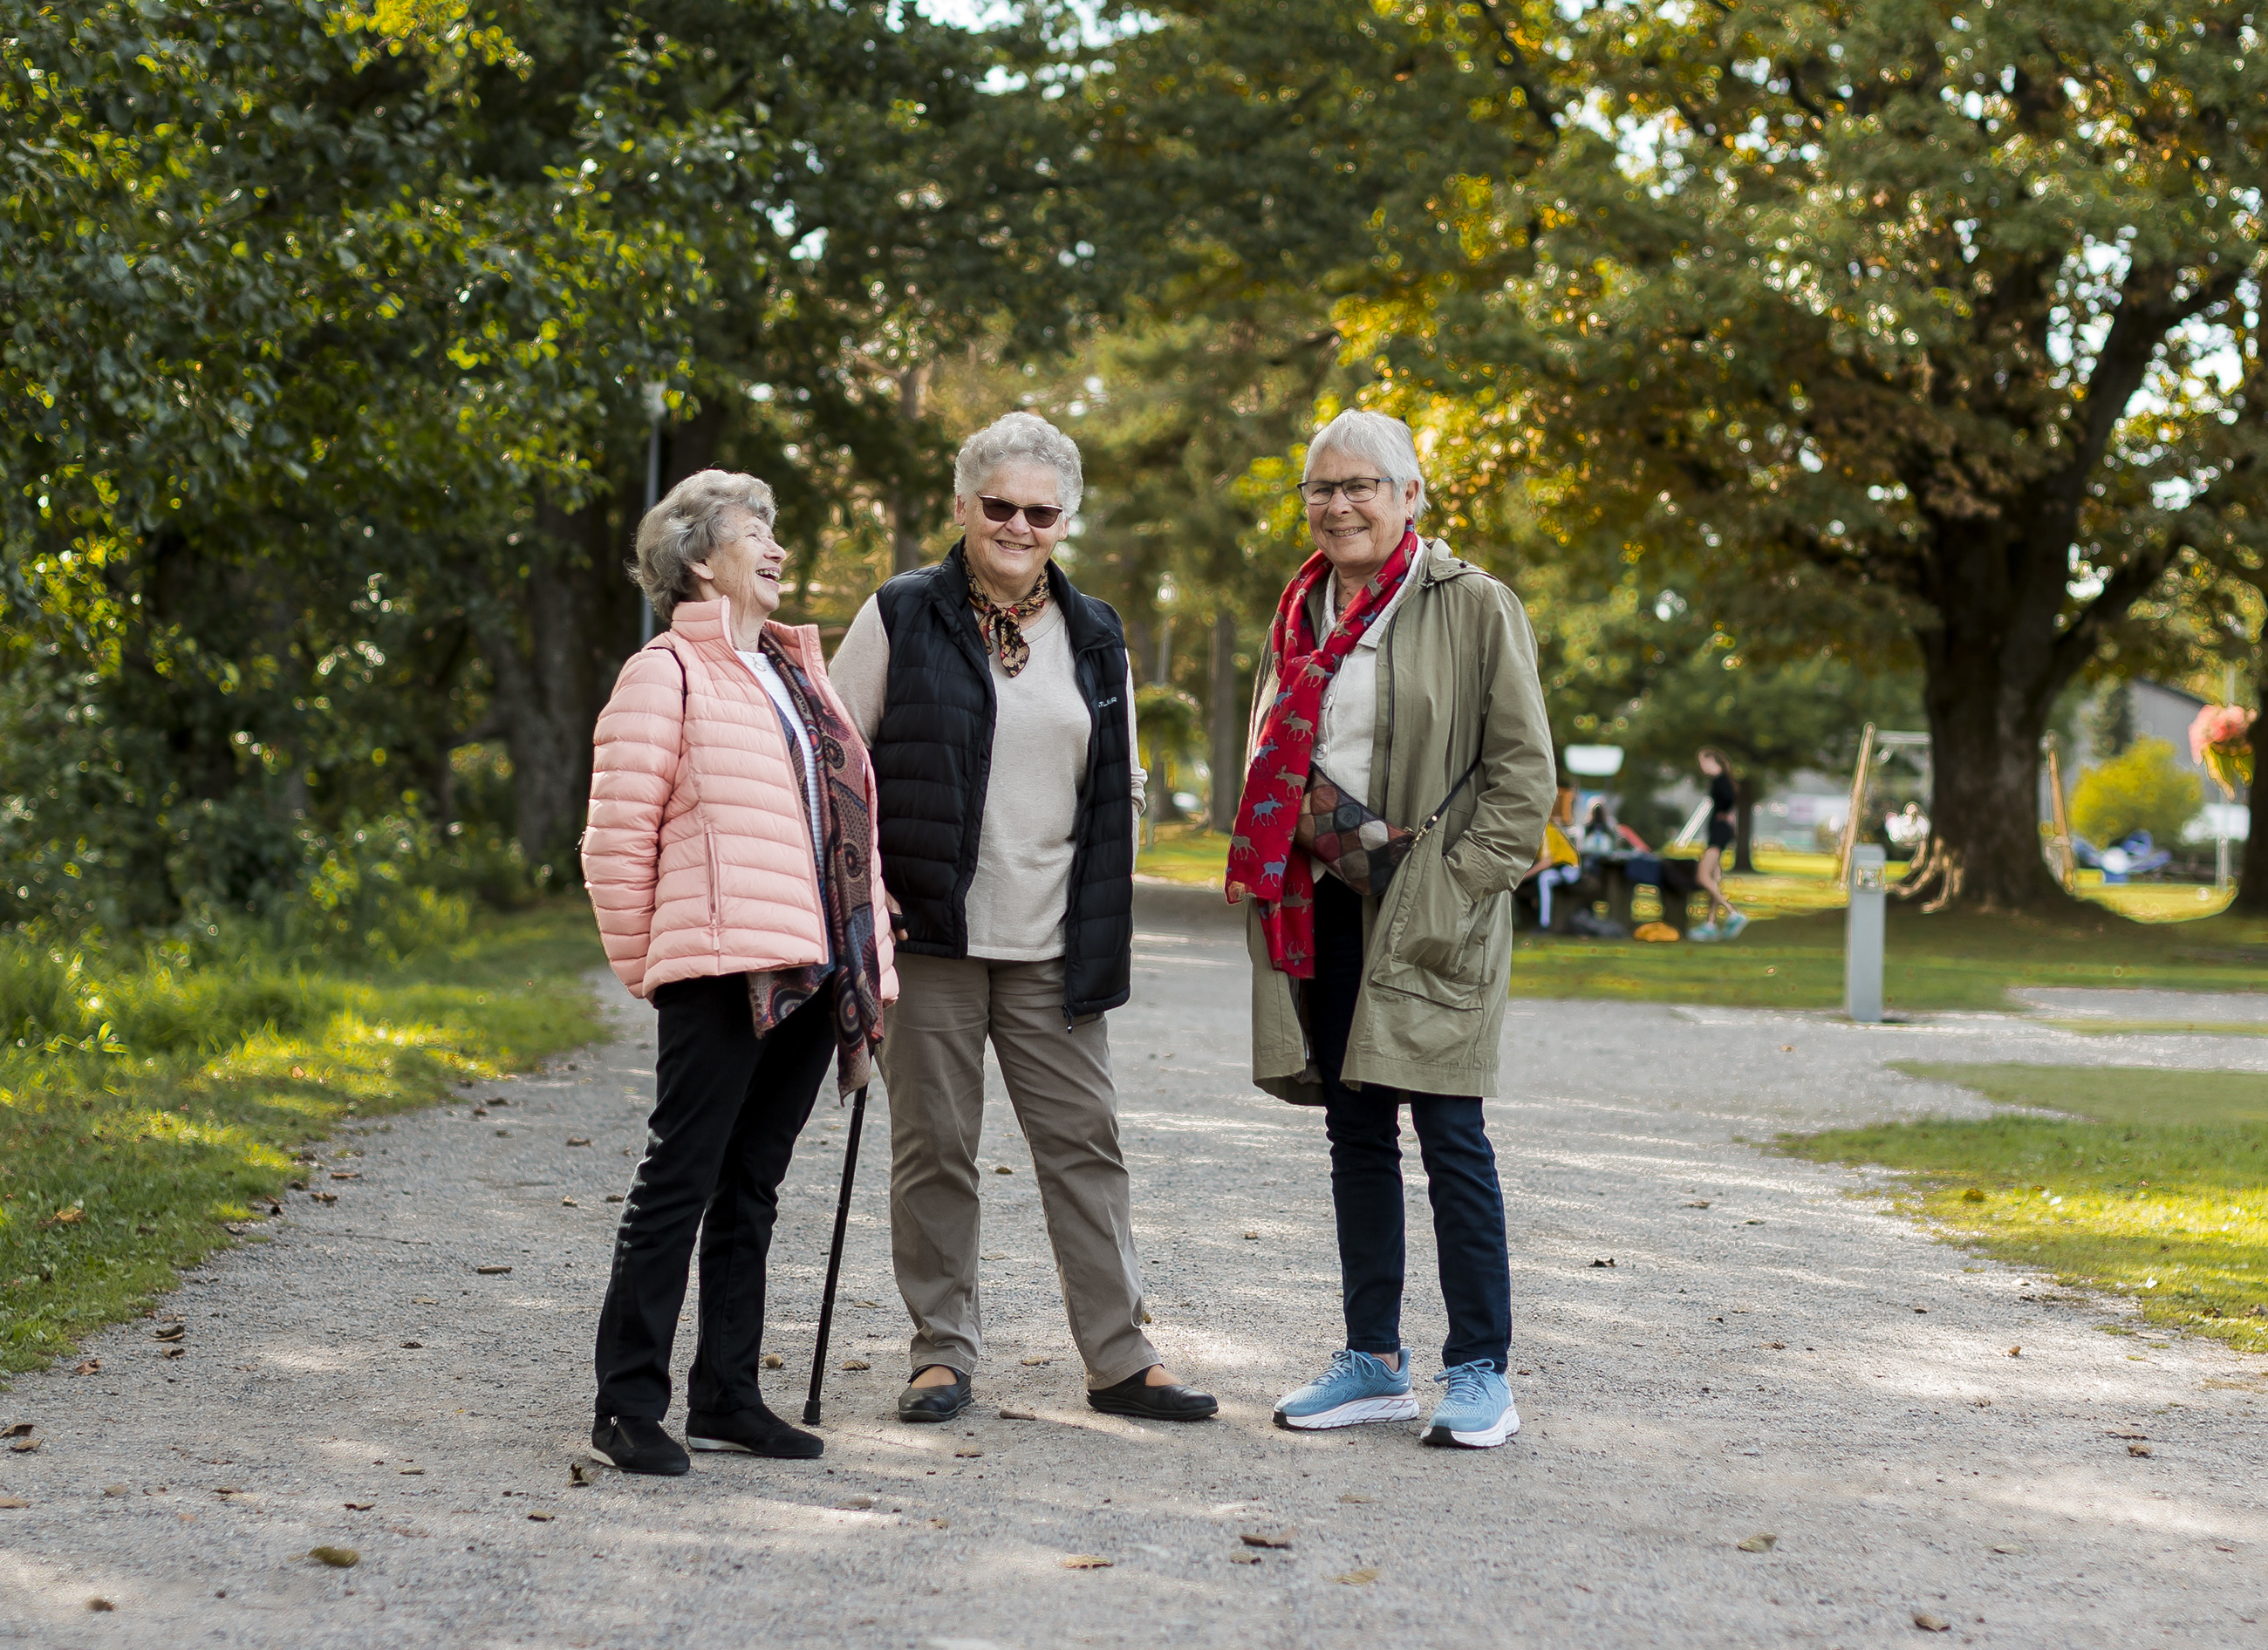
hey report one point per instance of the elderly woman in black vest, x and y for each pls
(997, 705)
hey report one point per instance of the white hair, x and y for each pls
(687, 527)
(1018, 437)
(1374, 438)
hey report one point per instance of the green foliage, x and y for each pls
(2145, 787)
(160, 1092)
(2160, 1197)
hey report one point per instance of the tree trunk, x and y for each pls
(1745, 825)
(906, 499)
(1987, 686)
(1226, 755)
(2252, 875)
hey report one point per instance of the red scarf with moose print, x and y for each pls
(1262, 861)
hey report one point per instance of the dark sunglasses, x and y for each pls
(1042, 517)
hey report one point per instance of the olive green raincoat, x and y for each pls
(1456, 679)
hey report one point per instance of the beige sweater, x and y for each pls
(1031, 798)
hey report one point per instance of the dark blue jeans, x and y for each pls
(1364, 1125)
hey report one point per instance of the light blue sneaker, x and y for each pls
(1733, 924)
(1357, 1388)
(1702, 932)
(1477, 1412)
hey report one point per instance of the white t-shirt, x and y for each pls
(768, 678)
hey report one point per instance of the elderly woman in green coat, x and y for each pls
(1402, 771)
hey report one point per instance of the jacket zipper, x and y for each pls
(716, 890)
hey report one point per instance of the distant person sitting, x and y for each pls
(1724, 814)
(1599, 833)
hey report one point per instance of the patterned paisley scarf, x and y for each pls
(1260, 860)
(844, 834)
(1004, 625)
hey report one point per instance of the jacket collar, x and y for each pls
(711, 622)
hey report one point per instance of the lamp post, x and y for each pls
(656, 407)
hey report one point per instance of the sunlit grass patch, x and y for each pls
(118, 1168)
(2157, 1190)
(1185, 853)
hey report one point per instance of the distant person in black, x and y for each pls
(1724, 810)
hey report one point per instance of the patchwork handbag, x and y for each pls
(1354, 844)
(1360, 848)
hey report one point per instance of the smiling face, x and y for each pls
(744, 567)
(1008, 557)
(1358, 539)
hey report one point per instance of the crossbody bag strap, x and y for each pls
(1434, 819)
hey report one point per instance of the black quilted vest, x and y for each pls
(933, 757)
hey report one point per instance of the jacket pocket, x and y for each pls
(1440, 942)
(716, 888)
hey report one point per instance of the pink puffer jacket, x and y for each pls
(697, 854)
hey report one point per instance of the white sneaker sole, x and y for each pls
(1393, 1409)
(1505, 1427)
(725, 1444)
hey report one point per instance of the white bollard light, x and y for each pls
(1862, 936)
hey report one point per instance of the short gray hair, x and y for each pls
(1375, 439)
(1017, 436)
(685, 528)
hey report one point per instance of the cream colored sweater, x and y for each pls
(1031, 798)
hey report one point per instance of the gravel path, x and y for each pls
(1784, 1361)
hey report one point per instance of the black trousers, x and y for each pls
(728, 1107)
(1364, 1126)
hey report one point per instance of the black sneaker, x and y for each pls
(635, 1444)
(751, 1432)
(936, 1404)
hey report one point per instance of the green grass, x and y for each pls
(2161, 1028)
(149, 1107)
(1950, 960)
(2156, 1187)
(1185, 853)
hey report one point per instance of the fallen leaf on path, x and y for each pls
(1752, 1222)
(614, 1197)
(854, 1503)
(1921, 1309)
(1034, 1363)
(346, 1174)
(502, 1133)
(411, 1472)
(115, 1490)
(1007, 1414)
(866, 1303)
(1244, 1558)
(422, 1300)
(173, 1330)
(856, 1363)
(12, 1502)
(1258, 1538)
(99, 1605)
(323, 1197)
(540, 1517)
(578, 1476)
(92, 1365)
(337, 1557)
(1608, 1261)
(2125, 1432)
(359, 1507)
(2007, 1551)
(413, 1346)
(1252, 1237)
(1003, 1169)
(2015, 1352)
(2138, 1449)
(1085, 1561)
(772, 1361)
(1785, 1048)
(578, 1139)
(1701, 1203)
(1363, 1576)
(492, 1272)
(1760, 1544)
(70, 1216)
(569, 1203)
(992, 1254)
(966, 1454)
(1928, 1623)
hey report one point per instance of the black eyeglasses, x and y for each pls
(1359, 489)
(1042, 517)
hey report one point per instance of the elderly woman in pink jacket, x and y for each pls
(731, 859)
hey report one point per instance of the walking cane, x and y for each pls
(834, 1258)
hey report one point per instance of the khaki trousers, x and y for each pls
(1058, 1080)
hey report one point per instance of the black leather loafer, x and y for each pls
(1129, 1397)
(936, 1404)
(635, 1444)
(752, 1431)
